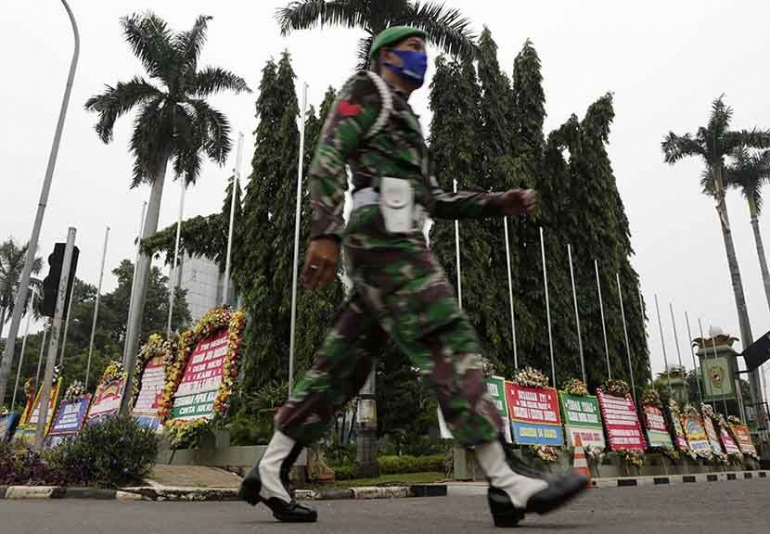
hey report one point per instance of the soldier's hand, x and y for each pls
(519, 201)
(320, 263)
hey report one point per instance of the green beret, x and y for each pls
(392, 36)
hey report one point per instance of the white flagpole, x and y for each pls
(96, 307)
(663, 344)
(577, 315)
(705, 352)
(228, 261)
(174, 275)
(510, 291)
(133, 283)
(604, 324)
(23, 347)
(67, 324)
(457, 252)
(625, 333)
(644, 329)
(678, 351)
(547, 306)
(300, 171)
(698, 374)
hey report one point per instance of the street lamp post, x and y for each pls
(21, 295)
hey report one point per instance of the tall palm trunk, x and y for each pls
(760, 247)
(140, 283)
(735, 273)
(2, 324)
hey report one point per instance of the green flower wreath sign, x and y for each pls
(200, 382)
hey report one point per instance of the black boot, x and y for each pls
(520, 489)
(269, 482)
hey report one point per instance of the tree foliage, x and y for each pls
(263, 261)
(12, 259)
(490, 134)
(174, 120)
(446, 27)
(110, 327)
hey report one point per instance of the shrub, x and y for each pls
(397, 465)
(251, 430)
(24, 467)
(114, 452)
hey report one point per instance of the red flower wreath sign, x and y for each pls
(200, 382)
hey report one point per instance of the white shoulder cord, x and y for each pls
(387, 104)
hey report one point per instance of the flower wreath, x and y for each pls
(635, 458)
(530, 378)
(616, 388)
(75, 391)
(576, 388)
(29, 387)
(155, 346)
(546, 453)
(651, 397)
(216, 319)
(113, 372)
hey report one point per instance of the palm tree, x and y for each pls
(173, 123)
(11, 264)
(446, 28)
(712, 143)
(749, 173)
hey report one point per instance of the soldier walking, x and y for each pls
(399, 289)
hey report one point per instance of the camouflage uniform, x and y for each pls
(399, 289)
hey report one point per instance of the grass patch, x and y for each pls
(405, 479)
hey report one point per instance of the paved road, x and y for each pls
(733, 507)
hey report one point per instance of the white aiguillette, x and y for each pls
(397, 205)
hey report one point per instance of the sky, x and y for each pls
(664, 62)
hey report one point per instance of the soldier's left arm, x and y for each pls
(464, 204)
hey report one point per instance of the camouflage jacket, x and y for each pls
(397, 150)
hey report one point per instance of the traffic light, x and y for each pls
(51, 282)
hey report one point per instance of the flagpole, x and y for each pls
(698, 375)
(510, 293)
(644, 329)
(577, 315)
(40, 356)
(679, 352)
(23, 347)
(174, 275)
(457, 252)
(300, 171)
(625, 333)
(663, 344)
(705, 355)
(96, 307)
(547, 306)
(67, 325)
(604, 325)
(228, 261)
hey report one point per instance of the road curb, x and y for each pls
(171, 494)
(679, 479)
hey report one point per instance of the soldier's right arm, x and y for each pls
(353, 114)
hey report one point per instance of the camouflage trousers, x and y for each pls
(399, 290)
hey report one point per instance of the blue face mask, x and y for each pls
(414, 65)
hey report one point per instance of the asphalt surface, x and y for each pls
(719, 507)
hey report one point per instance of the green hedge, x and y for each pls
(398, 465)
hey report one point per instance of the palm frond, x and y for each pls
(676, 148)
(151, 141)
(214, 130)
(189, 44)
(447, 28)
(118, 100)
(214, 79)
(749, 172)
(150, 40)
(707, 183)
(306, 14)
(721, 116)
(364, 48)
